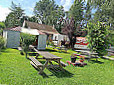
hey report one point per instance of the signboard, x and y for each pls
(81, 43)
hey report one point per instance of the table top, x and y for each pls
(48, 55)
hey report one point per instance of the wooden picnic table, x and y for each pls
(49, 58)
(88, 53)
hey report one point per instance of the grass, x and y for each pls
(15, 69)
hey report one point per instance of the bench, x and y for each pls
(35, 61)
(89, 57)
(110, 51)
(20, 49)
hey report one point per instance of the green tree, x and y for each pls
(48, 12)
(2, 25)
(76, 11)
(98, 37)
(104, 11)
(14, 17)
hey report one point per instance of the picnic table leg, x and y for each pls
(50, 62)
(37, 56)
(46, 63)
(59, 63)
(89, 57)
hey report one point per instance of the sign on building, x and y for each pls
(81, 43)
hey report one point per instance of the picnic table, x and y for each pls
(48, 57)
(110, 51)
(90, 54)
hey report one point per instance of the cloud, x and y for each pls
(3, 13)
(66, 4)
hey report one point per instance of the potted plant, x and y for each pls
(73, 58)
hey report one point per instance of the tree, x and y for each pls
(14, 17)
(98, 37)
(104, 11)
(2, 25)
(76, 11)
(72, 26)
(70, 30)
(48, 12)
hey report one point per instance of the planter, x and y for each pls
(73, 59)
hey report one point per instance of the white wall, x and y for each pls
(42, 42)
(59, 37)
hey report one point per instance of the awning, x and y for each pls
(30, 31)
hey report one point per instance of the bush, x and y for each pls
(26, 40)
(98, 37)
(2, 42)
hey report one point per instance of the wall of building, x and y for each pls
(13, 39)
(42, 42)
(57, 38)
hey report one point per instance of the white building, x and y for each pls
(12, 37)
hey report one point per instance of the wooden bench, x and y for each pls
(89, 57)
(110, 51)
(35, 61)
(20, 49)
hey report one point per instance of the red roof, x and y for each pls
(14, 29)
(41, 27)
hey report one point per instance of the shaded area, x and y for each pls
(44, 75)
(59, 72)
(4, 50)
(96, 61)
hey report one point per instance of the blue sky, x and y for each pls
(28, 6)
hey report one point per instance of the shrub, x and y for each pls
(98, 37)
(2, 42)
(26, 40)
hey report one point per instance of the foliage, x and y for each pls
(98, 37)
(112, 37)
(69, 29)
(49, 13)
(26, 40)
(2, 42)
(1, 31)
(14, 17)
(76, 11)
(2, 25)
(104, 11)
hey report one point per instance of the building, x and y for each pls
(12, 37)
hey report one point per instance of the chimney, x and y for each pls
(53, 26)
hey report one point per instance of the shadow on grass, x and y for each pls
(44, 75)
(4, 50)
(96, 61)
(56, 70)
(59, 72)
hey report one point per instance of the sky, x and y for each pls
(28, 6)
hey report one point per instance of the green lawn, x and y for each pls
(15, 69)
